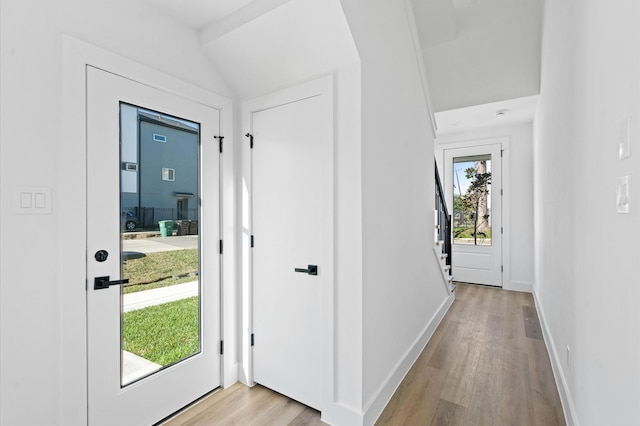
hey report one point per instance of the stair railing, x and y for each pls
(444, 220)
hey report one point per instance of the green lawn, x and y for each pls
(463, 232)
(160, 269)
(163, 333)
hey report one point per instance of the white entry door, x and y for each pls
(473, 188)
(292, 225)
(153, 342)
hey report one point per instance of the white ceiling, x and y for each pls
(259, 46)
(480, 51)
(480, 116)
(198, 13)
(480, 55)
(294, 42)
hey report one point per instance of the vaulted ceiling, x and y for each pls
(259, 46)
(199, 13)
(476, 52)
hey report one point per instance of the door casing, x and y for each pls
(166, 391)
(506, 188)
(76, 56)
(322, 86)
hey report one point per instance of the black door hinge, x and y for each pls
(252, 241)
(252, 340)
(250, 136)
(220, 246)
(220, 139)
(221, 347)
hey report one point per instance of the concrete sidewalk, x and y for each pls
(135, 367)
(158, 296)
(158, 244)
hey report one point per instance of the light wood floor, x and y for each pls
(486, 364)
(242, 405)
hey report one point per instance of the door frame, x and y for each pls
(321, 86)
(76, 56)
(506, 188)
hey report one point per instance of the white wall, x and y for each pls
(286, 45)
(402, 288)
(347, 246)
(518, 200)
(586, 269)
(389, 292)
(494, 55)
(34, 384)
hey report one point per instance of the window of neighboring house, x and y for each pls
(159, 138)
(168, 174)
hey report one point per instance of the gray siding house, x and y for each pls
(159, 167)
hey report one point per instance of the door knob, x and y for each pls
(100, 283)
(311, 270)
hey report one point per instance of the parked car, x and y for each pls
(130, 220)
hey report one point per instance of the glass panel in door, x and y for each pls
(472, 200)
(161, 304)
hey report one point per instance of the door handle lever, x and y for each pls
(311, 270)
(100, 283)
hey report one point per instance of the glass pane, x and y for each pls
(472, 200)
(159, 193)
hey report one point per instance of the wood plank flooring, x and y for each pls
(242, 405)
(486, 364)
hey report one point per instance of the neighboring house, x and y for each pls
(160, 162)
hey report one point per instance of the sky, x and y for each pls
(460, 178)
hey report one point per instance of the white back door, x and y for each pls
(473, 188)
(146, 363)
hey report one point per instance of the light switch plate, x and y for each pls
(32, 200)
(622, 194)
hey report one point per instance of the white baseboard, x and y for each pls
(230, 374)
(339, 414)
(558, 372)
(376, 405)
(519, 286)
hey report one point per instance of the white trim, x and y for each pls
(168, 174)
(422, 70)
(505, 141)
(76, 55)
(437, 250)
(321, 86)
(568, 408)
(522, 286)
(159, 138)
(506, 212)
(472, 143)
(385, 392)
(340, 414)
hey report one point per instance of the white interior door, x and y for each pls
(134, 175)
(292, 225)
(473, 188)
